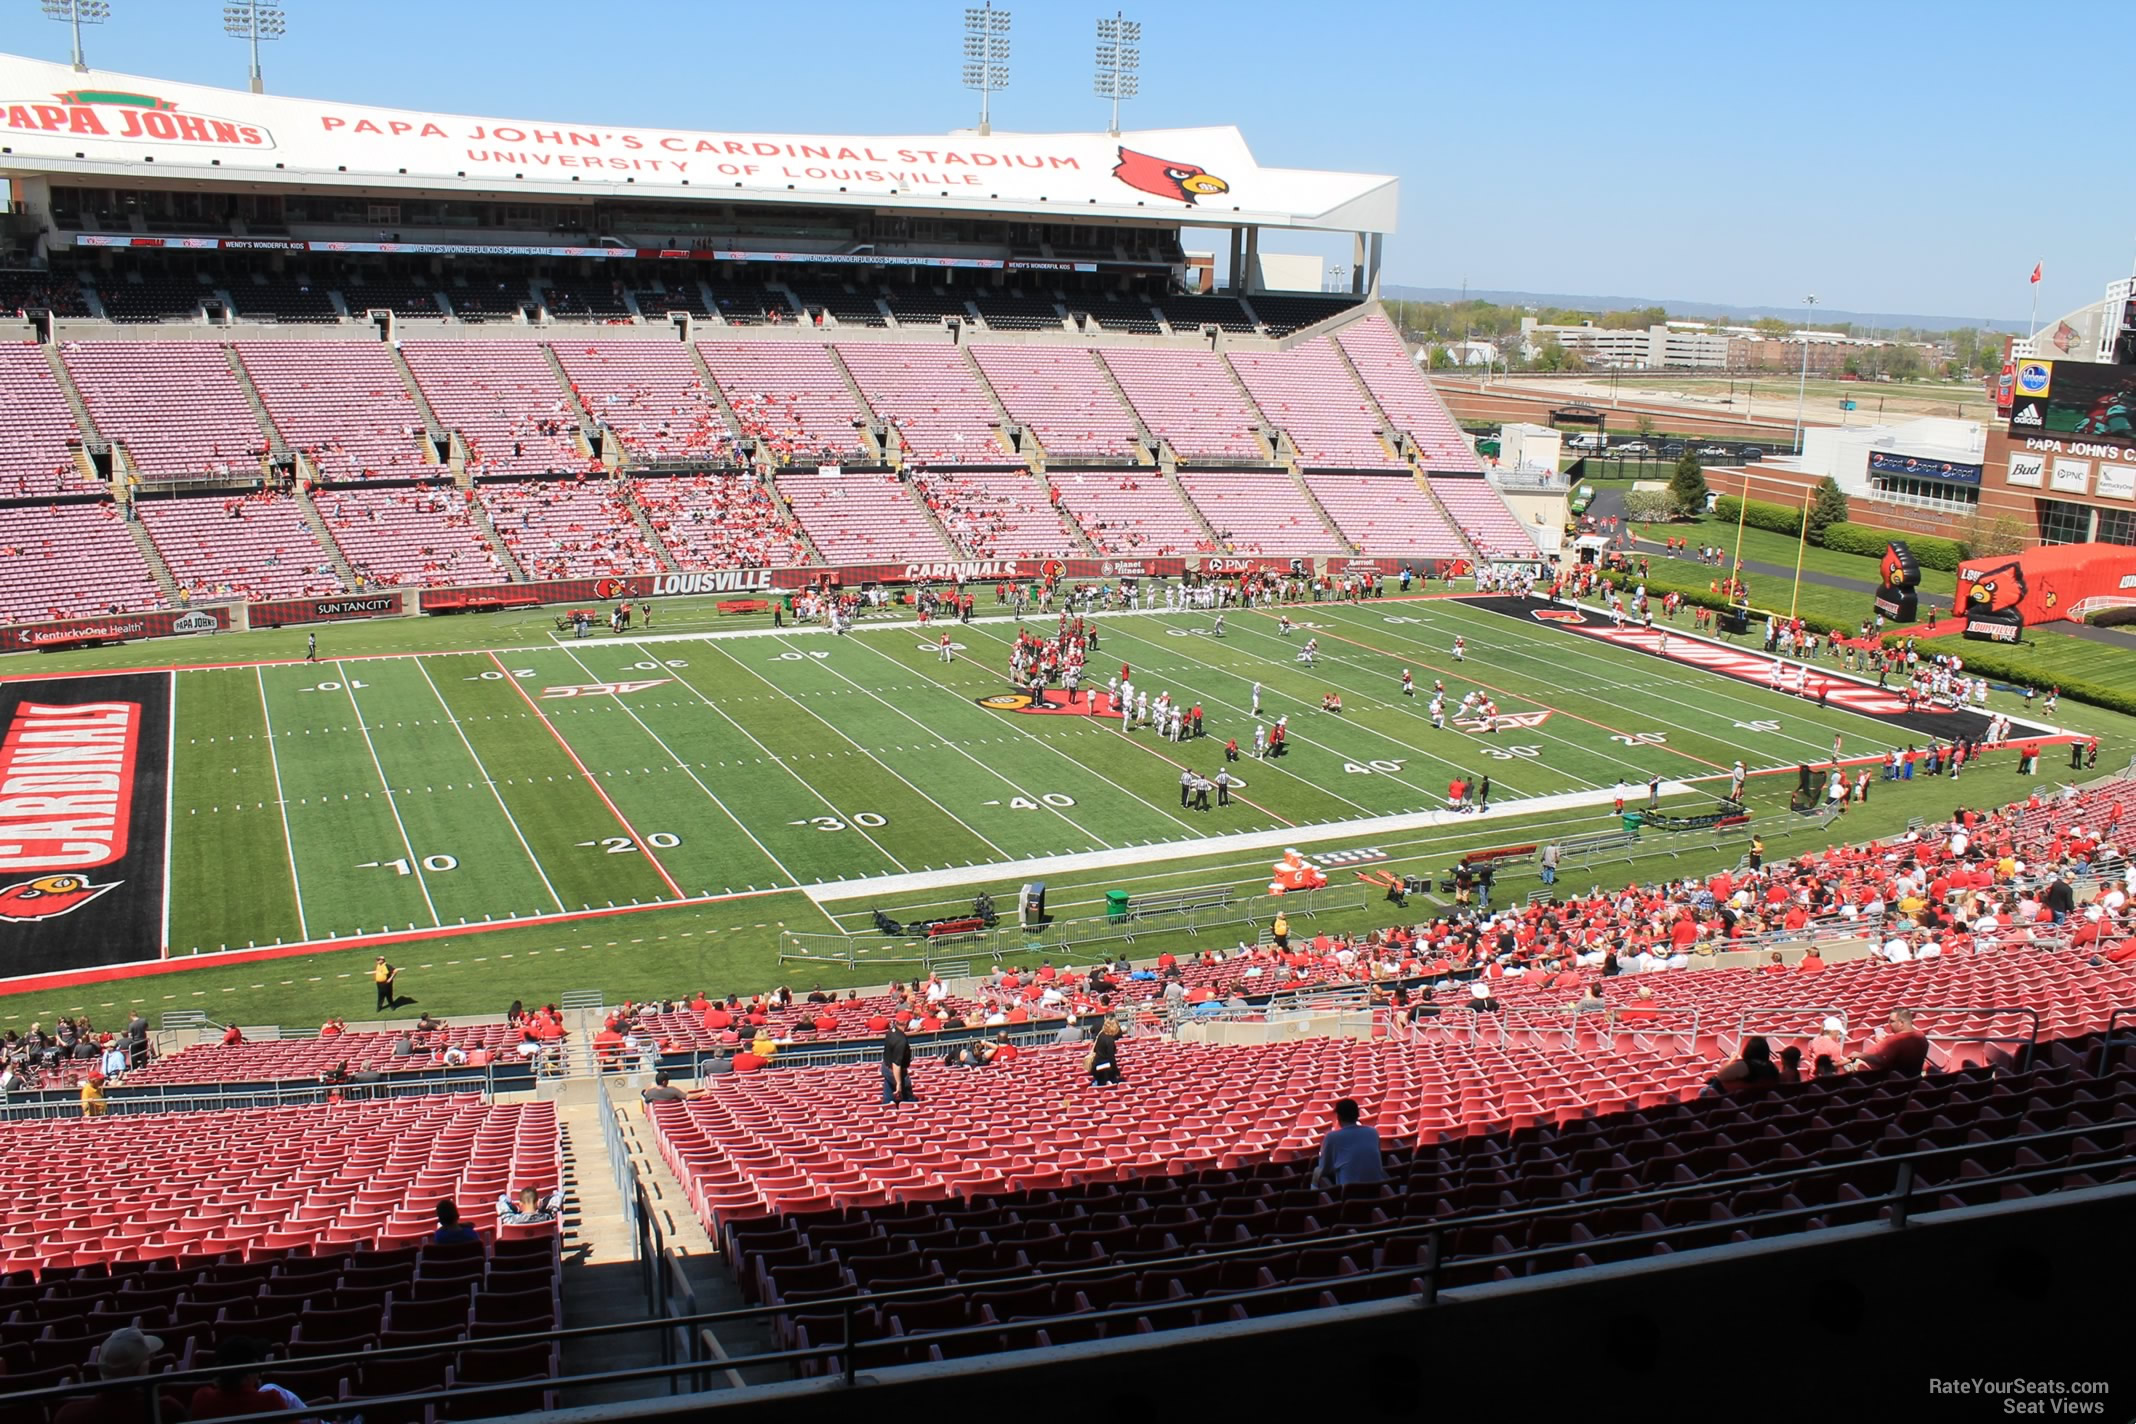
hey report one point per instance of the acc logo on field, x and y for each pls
(1005, 701)
(2035, 377)
(1560, 615)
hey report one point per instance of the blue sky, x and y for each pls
(1887, 156)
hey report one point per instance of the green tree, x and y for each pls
(1441, 359)
(1647, 506)
(1770, 326)
(1828, 508)
(1687, 486)
(1644, 425)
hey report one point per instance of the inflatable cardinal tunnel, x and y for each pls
(2000, 595)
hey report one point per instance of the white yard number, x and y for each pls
(796, 657)
(435, 864)
(655, 667)
(1057, 800)
(1400, 618)
(866, 820)
(1641, 739)
(355, 684)
(1763, 724)
(1367, 768)
(1510, 753)
(624, 845)
(495, 676)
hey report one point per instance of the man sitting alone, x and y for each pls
(1350, 1153)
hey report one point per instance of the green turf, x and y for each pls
(446, 790)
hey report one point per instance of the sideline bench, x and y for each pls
(483, 602)
(1597, 844)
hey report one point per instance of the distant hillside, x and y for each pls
(1678, 307)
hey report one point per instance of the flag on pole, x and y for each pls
(2036, 273)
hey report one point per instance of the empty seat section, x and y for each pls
(1309, 394)
(503, 399)
(995, 513)
(421, 534)
(1188, 400)
(1386, 515)
(568, 528)
(1258, 512)
(343, 405)
(1409, 399)
(720, 521)
(239, 546)
(1062, 395)
(928, 394)
(294, 1177)
(66, 560)
(40, 435)
(861, 516)
(652, 397)
(1484, 518)
(1133, 512)
(788, 396)
(173, 405)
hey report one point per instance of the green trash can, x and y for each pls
(1633, 820)
(1116, 905)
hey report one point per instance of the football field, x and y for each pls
(387, 794)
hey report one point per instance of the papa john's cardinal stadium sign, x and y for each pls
(54, 120)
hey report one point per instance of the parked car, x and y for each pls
(1584, 442)
(1719, 452)
(1630, 448)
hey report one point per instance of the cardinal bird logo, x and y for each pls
(2049, 597)
(48, 897)
(608, 588)
(1187, 182)
(1899, 567)
(1996, 590)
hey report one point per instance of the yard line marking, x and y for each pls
(1041, 741)
(170, 831)
(643, 849)
(491, 782)
(415, 862)
(1305, 739)
(685, 681)
(684, 766)
(281, 803)
(1505, 628)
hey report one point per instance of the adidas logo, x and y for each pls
(2030, 415)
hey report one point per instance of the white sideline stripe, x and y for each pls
(491, 782)
(281, 804)
(1281, 839)
(170, 826)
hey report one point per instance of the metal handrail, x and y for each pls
(2106, 1042)
(152, 1098)
(1905, 1167)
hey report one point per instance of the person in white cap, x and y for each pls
(1831, 1042)
(125, 1354)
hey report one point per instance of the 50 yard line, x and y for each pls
(415, 862)
(281, 804)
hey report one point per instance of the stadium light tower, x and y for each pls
(252, 21)
(77, 13)
(1119, 63)
(1802, 382)
(986, 56)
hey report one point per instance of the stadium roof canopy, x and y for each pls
(56, 122)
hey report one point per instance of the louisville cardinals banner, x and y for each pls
(2000, 597)
(119, 627)
(84, 765)
(1898, 600)
(391, 603)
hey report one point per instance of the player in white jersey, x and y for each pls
(944, 649)
(1438, 711)
(1142, 707)
(1257, 699)
(1218, 630)
(1260, 741)
(1309, 651)
(1735, 782)
(1778, 672)
(1284, 625)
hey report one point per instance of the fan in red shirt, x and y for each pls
(1903, 1050)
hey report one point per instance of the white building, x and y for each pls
(1930, 463)
(1676, 345)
